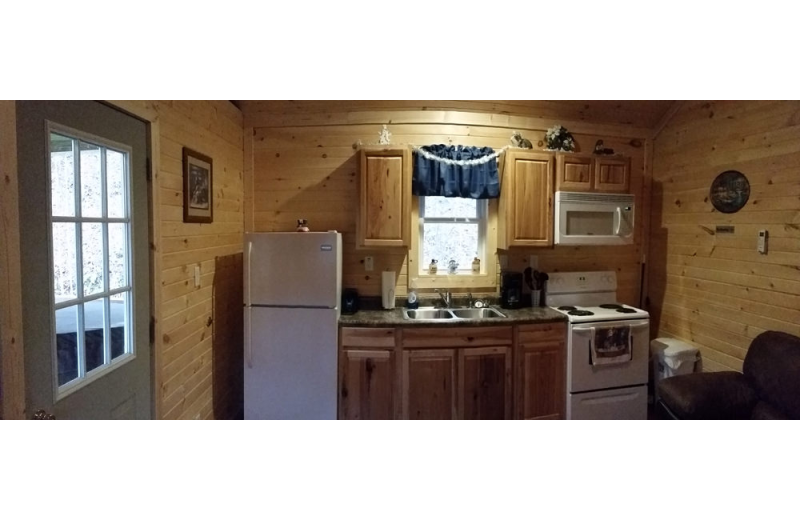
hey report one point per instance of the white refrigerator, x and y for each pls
(292, 290)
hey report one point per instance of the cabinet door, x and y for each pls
(484, 383)
(429, 384)
(573, 173)
(528, 199)
(385, 197)
(612, 174)
(367, 384)
(541, 390)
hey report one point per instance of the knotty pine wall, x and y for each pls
(717, 291)
(189, 330)
(303, 164)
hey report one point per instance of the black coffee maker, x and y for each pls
(349, 301)
(510, 290)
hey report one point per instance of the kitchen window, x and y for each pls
(452, 229)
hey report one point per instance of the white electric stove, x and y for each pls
(596, 387)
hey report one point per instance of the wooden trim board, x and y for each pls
(12, 368)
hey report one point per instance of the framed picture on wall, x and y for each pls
(198, 187)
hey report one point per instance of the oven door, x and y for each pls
(595, 223)
(583, 376)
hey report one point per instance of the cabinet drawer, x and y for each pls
(457, 337)
(368, 337)
(544, 333)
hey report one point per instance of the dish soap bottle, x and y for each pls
(411, 300)
(476, 265)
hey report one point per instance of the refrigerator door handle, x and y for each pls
(248, 340)
(247, 271)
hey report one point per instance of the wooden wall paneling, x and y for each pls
(12, 368)
(249, 187)
(711, 289)
(641, 114)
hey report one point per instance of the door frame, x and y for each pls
(12, 367)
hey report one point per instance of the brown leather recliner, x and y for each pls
(768, 388)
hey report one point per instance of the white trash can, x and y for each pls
(671, 357)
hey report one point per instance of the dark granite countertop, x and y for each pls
(394, 318)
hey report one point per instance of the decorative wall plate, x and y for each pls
(730, 191)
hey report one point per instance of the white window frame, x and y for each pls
(481, 219)
(85, 378)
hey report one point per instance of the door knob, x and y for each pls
(41, 414)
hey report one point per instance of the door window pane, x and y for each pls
(91, 184)
(117, 264)
(67, 344)
(119, 305)
(92, 258)
(94, 332)
(65, 264)
(115, 183)
(91, 243)
(62, 176)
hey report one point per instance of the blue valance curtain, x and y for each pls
(437, 175)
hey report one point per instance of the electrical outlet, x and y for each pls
(369, 264)
(197, 276)
(533, 262)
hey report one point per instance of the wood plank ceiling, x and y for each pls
(638, 113)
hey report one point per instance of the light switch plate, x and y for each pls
(369, 264)
(762, 241)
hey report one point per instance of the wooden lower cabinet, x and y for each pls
(367, 384)
(484, 383)
(429, 384)
(470, 373)
(541, 371)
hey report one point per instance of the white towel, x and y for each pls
(611, 345)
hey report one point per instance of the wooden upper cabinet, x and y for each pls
(484, 383)
(573, 172)
(429, 384)
(526, 200)
(612, 174)
(384, 197)
(367, 384)
(577, 172)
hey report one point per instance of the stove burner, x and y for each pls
(580, 313)
(626, 311)
(611, 306)
(567, 308)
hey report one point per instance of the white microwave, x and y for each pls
(593, 218)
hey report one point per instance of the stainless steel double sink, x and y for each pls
(433, 314)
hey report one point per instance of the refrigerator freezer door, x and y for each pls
(290, 364)
(293, 269)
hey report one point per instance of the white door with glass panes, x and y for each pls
(85, 276)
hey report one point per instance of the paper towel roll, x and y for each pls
(387, 289)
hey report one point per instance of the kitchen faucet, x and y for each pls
(446, 297)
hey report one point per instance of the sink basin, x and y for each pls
(428, 314)
(477, 314)
(452, 314)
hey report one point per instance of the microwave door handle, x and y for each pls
(617, 221)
